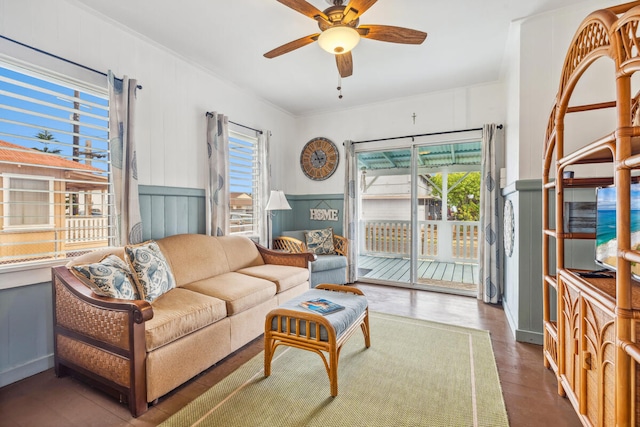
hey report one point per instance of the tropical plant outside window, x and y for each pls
(463, 194)
(54, 166)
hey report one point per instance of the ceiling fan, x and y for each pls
(340, 31)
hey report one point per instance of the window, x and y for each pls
(54, 165)
(29, 202)
(243, 183)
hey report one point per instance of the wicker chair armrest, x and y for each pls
(341, 245)
(140, 310)
(289, 244)
(340, 288)
(103, 338)
(285, 258)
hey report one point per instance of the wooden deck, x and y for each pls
(443, 274)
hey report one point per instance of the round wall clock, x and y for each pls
(319, 159)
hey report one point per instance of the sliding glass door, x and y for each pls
(419, 216)
(385, 212)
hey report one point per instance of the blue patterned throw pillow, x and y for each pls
(150, 270)
(109, 278)
(320, 242)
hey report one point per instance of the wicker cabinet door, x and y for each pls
(570, 348)
(598, 364)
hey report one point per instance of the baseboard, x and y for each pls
(510, 320)
(519, 334)
(530, 337)
(28, 369)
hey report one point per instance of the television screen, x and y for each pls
(606, 242)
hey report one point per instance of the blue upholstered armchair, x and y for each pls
(329, 267)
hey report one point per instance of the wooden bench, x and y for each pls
(298, 327)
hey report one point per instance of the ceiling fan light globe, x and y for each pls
(339, 39)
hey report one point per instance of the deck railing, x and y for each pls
(438, 240)
(86, 229)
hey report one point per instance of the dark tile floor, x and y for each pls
(530, 390)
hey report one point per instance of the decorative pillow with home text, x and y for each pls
(150, 269)
(110, 277)
(320, 242)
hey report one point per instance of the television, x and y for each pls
(606, 241)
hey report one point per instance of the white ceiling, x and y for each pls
(465, 46)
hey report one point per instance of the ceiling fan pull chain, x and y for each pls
(339, 88)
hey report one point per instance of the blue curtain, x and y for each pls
(350, 225)
(126, 221)
(490, 286)
(217, 189)
(260, 200)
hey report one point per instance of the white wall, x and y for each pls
(170, 132)
(170, 124)
(461, 108)
(536, 53)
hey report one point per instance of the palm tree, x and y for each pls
(46, 136)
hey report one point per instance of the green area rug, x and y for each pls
(416, 373)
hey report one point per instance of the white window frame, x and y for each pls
(31, 62)
(255, 183)
(7, 177)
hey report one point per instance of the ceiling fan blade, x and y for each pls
(288, 47)
(356, 8)
(345, 64)
(304, 8)
(387, 33)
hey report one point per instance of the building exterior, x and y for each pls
(49, 206)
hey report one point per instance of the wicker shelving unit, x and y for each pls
(591, 325)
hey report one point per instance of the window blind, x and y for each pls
(243, 183)
(54, 166)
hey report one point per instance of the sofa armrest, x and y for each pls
(285, 258)
(341, 245)
(101, 338)
(289, 244)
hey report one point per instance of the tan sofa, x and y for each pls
(138, 350)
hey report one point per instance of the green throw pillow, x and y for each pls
(150, 269)
(110, 277)
(320, 242)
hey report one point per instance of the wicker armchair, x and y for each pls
(295, 246)
(327, 268)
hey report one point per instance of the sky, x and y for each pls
(29, 105)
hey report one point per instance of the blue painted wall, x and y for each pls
(26, 312)
(171, 210)
(299, 218)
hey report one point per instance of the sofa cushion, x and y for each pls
(149, 269)
(97, 256)
(239, 291)
(328, 262)
(241, 252)
(320, 242)
(194, 257)
(284, 276)
(110, 277)
(178, 313)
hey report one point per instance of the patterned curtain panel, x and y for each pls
(264, 169)
(125, 209)
(490, 286)
(217, 190)
(350, 225)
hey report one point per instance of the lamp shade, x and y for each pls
(339, 39)
(277, 201)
